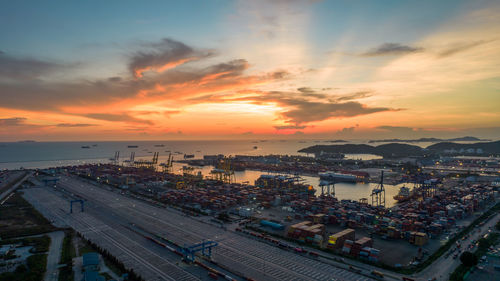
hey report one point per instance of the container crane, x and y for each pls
(378, 193)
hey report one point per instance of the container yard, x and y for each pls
(285, 207)
(285, 212)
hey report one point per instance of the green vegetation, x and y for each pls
(67, 254)
(19, 218)
(470, 259)
(40, 244)
(36, 266)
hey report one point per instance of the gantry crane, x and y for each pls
(378, 193)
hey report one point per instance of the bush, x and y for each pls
(468, 259)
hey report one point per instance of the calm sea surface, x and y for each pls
(51, 154)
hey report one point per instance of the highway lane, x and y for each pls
(117, 240)
(54, 255)
(256, 259)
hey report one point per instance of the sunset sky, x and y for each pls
(215, 69)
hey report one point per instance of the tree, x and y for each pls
(468, 259)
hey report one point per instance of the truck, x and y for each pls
(377, 274)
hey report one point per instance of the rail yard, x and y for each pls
(109, 215)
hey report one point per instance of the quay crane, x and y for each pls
(329, 186)
(224, 171)
(167, 166)
(116, 159)
(378, 193)
(147, 164)
(132, 159)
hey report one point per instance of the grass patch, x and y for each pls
(33, 271)
(67, 254)
(19, 218)
(40, 244)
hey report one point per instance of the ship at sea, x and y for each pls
(85, 146)
(403, 195)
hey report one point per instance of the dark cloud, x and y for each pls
(396, 129)
(50, 96)
(290, 127)
(227, 69)
(353, 96)
(391, 49)
(74, 125)
(161, 54)
(15, 121)
(300, 109)
(280, 74)
(123, 117)
(25, 68)
(347, 130)
(460, 47)
(306, 111)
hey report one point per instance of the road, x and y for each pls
(253, 258)
(444, 266)
(54, 255)
(8, 191)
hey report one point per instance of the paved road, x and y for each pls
(8, 191)
(253, 258)
(54, 255)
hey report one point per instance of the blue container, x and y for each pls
(272, 224)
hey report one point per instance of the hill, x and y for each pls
(396, 150)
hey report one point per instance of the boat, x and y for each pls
(403, 195)
(337, 177)
(159, 145)
(94, 145)
(188, 156)
(85, 146)
(132, 146)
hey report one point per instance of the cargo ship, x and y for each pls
(403, 195)
(132, 146)
(337, 177)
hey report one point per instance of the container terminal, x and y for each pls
(190, 226)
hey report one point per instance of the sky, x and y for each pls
(229, 69)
